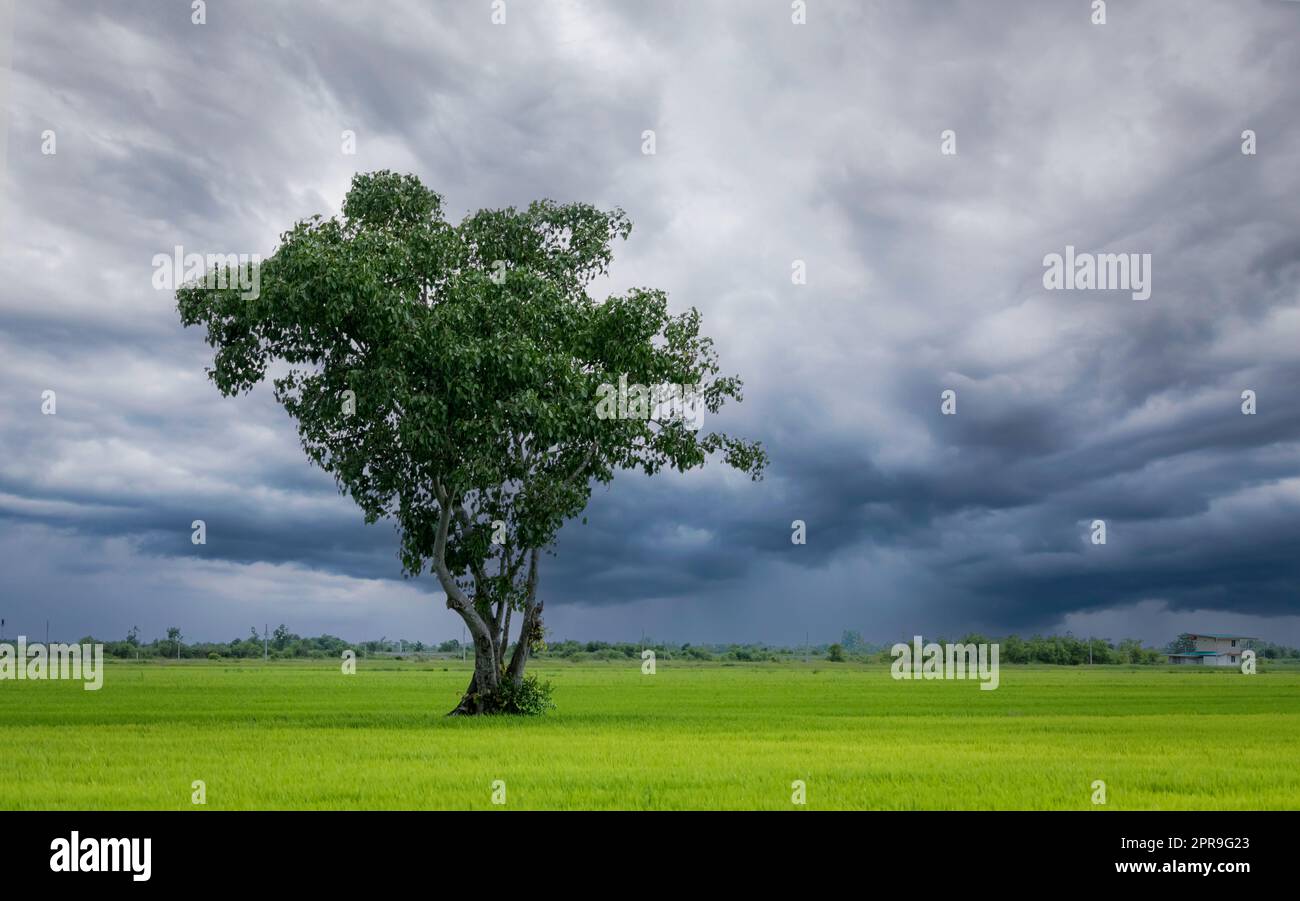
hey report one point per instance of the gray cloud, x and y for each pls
(775, 143)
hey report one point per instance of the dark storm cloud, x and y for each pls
(775, 143)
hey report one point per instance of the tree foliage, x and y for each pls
(446, 376)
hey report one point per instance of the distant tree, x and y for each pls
(174, 635)
(280, 637)
(852, 641)
(835, 654)
(1129, 650)
(1014, 649)
(1183, 644)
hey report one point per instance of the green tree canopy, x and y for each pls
(448, 376)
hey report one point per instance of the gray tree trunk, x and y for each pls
(489, 651)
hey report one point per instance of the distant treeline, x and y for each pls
(1066, 650)
(1270, 651)
(280, 643)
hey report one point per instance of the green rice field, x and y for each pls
(285, 735)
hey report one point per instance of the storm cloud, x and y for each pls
(778, 146)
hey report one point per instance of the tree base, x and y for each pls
(527, 697)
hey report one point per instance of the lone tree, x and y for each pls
(450, 377)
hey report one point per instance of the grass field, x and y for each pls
(287, 735)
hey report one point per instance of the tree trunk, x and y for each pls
(482, 693)
(481, 696)
(468, 705)
(531, 629)
(530, 632)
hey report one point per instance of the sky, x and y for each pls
(823, 149)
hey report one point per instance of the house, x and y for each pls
(1213, 650)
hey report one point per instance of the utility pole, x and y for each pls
(47, 633)
(266, 654)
